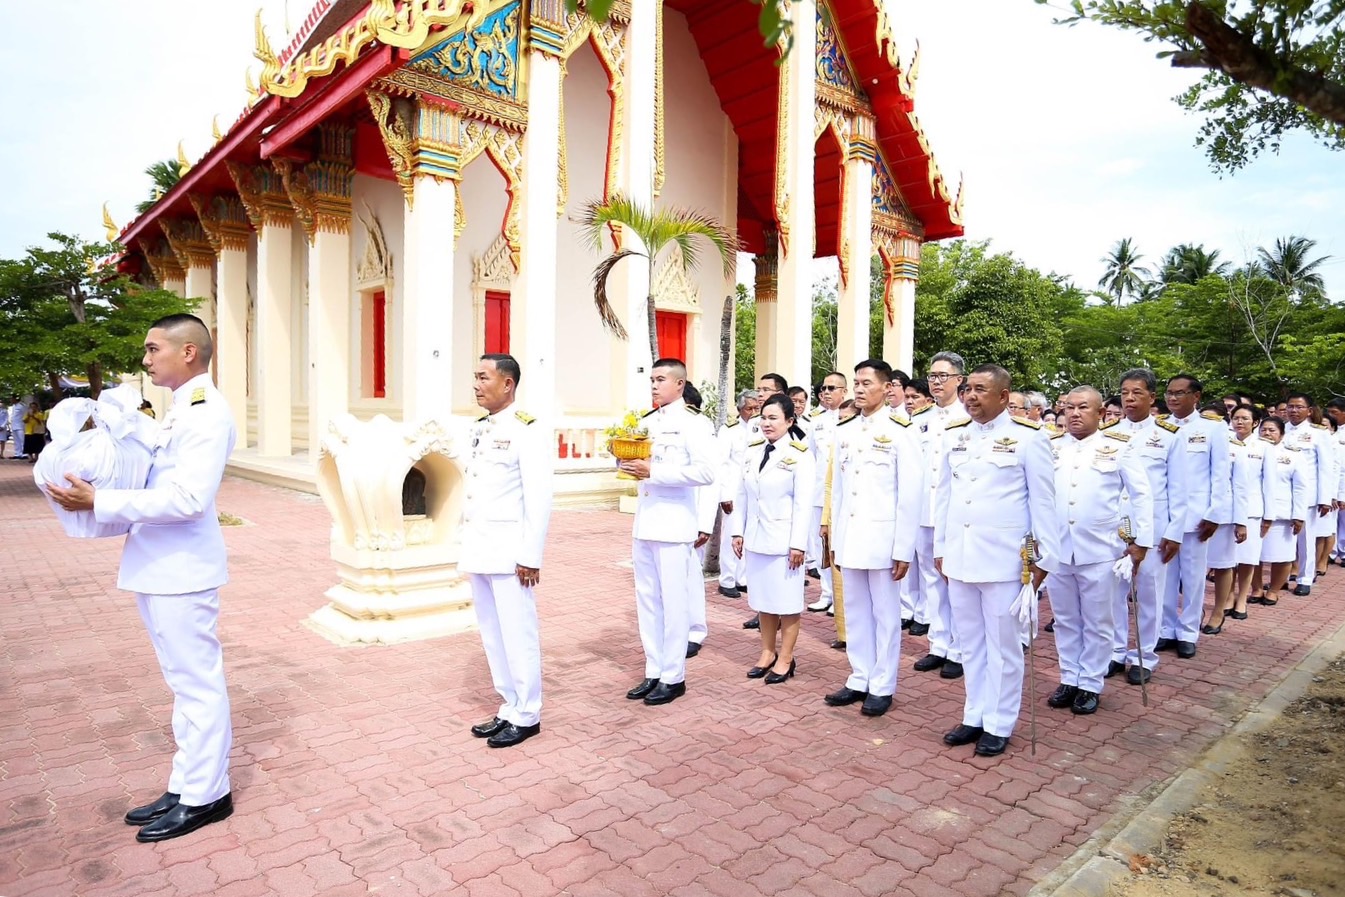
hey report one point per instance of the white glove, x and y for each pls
(1124, 568)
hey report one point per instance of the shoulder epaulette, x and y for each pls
(733, 423)
(1058, 435)
(801, 446)
(649, 412)
(960, 422)
(845, 420)
(920, 411)
(1030, 424)
(756, 442)
(815, 413)
(484, 416)
(898, 420)
(198, 396)
(1167, 424)
(1320, 427)
(1236, 441)
(693, 409)
(1109, 424)
(524, 416)
(1164, 416)
(1123, 437)
(1210, 415)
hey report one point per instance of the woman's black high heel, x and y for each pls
(776, 678)
(758, 672)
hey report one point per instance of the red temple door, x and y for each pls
(672, 334)
(497, 323)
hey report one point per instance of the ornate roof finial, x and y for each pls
(183, 166)
(214, 129)
(112, 230)
(911, 74)
(961, 198)
(265, 55)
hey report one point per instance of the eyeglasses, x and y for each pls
(1179, 393)
(939, 378)
(1014, 407)
(826, 388)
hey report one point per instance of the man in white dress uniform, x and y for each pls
(1320, 467)
(505, 516)
(174, 560)
(820, 438)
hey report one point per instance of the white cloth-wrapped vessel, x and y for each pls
(108, 443)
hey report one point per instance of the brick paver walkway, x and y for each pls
(354, 772)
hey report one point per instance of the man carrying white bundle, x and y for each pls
(175, 543)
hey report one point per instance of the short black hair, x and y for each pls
(1299, 395)
(834, 374)
(1111, 402)
(1337, 402)
(505, 364)
(780, 382)
(920, 385)
(1003, 379)
(1196, 385)
(900, 376)
(1250, 409)
(691, 395)
(783, 402)
(1276, 420)
(797, 391)
(878, 366)
(183, 323)
(1143, 375)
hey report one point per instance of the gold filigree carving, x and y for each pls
(224, 221)
(505, 149)
(163, 263)
(496, 110)
(609, 40)
(781, 160)
(658, 98)
(563, 154)
(767, 263)
(188, 243)
(374, 272)
(301, 195)
(395, 120)
(262, 195)
(459, 217)
(673, 288)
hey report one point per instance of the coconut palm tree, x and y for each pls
(1124, 275)
(1190, 263)
(163, 177)
(1288, 265)
(656, 230)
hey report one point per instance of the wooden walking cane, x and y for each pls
(1127, 534)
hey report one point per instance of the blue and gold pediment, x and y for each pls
(485, 59)
(833, 68)
(889, 210)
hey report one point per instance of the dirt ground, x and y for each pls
(1274, 823)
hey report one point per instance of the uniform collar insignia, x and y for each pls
(198, 396)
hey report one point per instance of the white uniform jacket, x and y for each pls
(1158, 446)
(820, 439)
(1286, 483)
(996, 485)
(1319, 467)
(776, 499)
(930, 423)
(684, 457)
(175, 546)
(509, 489)
(732, 438)
(1249, 479)
(877, 480)
(1209, 473)
(1090, 475)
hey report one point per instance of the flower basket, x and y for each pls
(630, 448)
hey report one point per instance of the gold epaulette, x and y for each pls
(755, 443)
(801, 446)
(524, 416)
(1210, 415)
(1057, 435)
(1030, 424)
(898, 420)
(198, 396)
(485, 415)
(1123, 437)
(845, 420)
(1320, 427)
(920, 411)
(1236, 441)
(960, 422)
(1109, 424)
(1167, 424)
(649, 412)
(734, 422)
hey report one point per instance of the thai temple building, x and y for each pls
(403, 191)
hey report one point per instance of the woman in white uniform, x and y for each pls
(1286, 500)
(1249, 485)
(772, 534)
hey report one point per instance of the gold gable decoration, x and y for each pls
(673, 289)
(374, 272)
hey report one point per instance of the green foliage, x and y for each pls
(65, 310)
(1125, 276)
(744, 341)
(163, 177)
(772, 22)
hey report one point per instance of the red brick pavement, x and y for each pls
(354, 771)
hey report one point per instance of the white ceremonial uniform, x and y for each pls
(776, 494)
(504, 521)
(996, 486)
(16, 413)
(820, 439)
(1287, 499)
(1250, 474)
(175, 561)
(1221, 550)
(1209, 483)
(877, 482)
(931, 423)
(733, 439)
(1090, 476)
(1322, 476)
(707, 505)
(668, 519)
(1339, 551)
(1157, 445)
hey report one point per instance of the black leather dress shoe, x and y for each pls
(665, 694)
(929, 662)
(754, 623)
(1186, 650)
(963, 734)
(511, 735)
(991, 745)
(730, 592)
(876, 705)
(1049, 627)
(1303, 591)
(1063, 696)
(838, 645)
(485, 730)
(918, 629)
(1135, 677)
(644, 688)
(814, 573)
(1165, 644)
(951, 670)
(183, 819)
(1113, 667)
(1085, 702)
(1238, 614)
(758, 672)
(845, 696)
(693, 648)
(150, 812)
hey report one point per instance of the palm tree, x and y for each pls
(1191, 263)
(163, 177)
(655, 229)
(1124, 275)
(1287, 264)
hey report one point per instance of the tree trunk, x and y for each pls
(95, 374)
(721, 416)
(653, 328)
(54, 384)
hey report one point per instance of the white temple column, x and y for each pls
(426, 363)
(899, 336)
(328, 332)
(533, 311)
(231, 351)
(765, 291)
(852, 313)
(200, 284)
(275, 389)
(793, 344)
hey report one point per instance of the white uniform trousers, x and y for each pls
(943, 640)
(912, 602)
(872, 630)
(1307, 550)
(182, 630)
(992, 653)
(1184, 592)
(1082, 601)
(732, 569)
(506, 612)
(1340, 536)
(661, 605)
(1151, 584)
(828, 590)
(696, 596)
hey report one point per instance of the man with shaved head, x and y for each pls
(1092, 469)
(174, 560)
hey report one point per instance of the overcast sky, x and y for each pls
(1068, 138)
